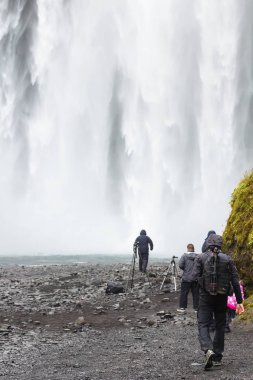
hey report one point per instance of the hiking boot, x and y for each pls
(209, 356)
(217, 360)
(181, 310)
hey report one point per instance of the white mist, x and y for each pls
(117, 116)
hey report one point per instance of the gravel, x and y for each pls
(57, 322)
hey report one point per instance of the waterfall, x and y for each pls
(121, 115)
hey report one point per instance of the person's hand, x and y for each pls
(239, 308)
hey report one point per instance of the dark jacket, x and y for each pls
(143, 242)
(204, 246)
(198, 267)
(186, 263)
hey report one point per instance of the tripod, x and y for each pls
(173, 272)
(130, 280)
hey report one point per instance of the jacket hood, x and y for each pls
(191, 255)
(211, 233)
(214, 241)
(143, 232)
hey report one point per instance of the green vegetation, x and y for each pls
(248, 314)
(238, 237)
(238, 234)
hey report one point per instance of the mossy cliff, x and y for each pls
(248, 314)
(238, 234)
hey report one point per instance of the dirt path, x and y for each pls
(135, 337)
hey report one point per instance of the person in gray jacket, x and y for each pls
(186, 264)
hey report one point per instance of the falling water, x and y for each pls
(121, 115)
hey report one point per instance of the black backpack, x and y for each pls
(216, 274)
(114, 288)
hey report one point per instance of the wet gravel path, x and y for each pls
(137, 342)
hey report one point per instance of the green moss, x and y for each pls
(238, 234)
(249, 302)
(247, 316)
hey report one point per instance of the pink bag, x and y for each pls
(231, 304)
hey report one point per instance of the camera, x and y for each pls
(174, 257)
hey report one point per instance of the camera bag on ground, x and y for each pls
(114, 288)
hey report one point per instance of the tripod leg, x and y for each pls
(130, 276)
(176, 277)
(132, 280)
(175, 283)
(165, 276)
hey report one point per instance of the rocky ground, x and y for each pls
(56, 322)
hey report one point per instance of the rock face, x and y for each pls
(57, 323)
(238, 234)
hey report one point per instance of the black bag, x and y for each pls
(216, 275)
(114, 288)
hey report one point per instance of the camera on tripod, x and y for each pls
(173, 260)
(173, 272)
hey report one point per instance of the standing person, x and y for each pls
(142, 244)
(214, 270)
(204, 246)
(186, 264)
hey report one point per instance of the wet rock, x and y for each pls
(80, 321)
(97, 282)
(147, 300)
(165, 299)
(151, 322)
(168, 316)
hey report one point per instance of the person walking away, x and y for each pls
(142, 244)
(186, 263)
(204, 249)
(214, 271)
(204, 246)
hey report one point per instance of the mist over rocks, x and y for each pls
(57, 322)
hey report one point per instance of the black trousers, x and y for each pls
(143, 261)
(210, 306)
(185, 288)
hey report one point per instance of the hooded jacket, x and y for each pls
(143, 242)
(198, 269)
(186, 263)
(204, 246)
